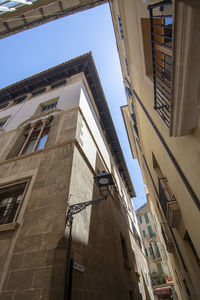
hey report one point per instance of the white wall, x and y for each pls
(67, 96)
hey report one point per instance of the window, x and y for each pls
(139, 241)
(36, 136)
(160, 269)
(190, 243)
(154, 250)
(19, 100)
(140, 219)
(10, 200)
(124, 250)
(186, 287)
(128, 92)
(146, 252)
(144, 233)
(58, 84)
(50, 106)
(131, 295)
(38, 92)
(2, 124)
(3, 105)
(133, 115)
(127, 68)
(120, 27)
(3, 121)
(146, 218)
(150, 231)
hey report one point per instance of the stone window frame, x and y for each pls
(49, 106)
(3, 122)
(11, 189)
(124, 250)
(35, 129)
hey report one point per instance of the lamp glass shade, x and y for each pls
(104, 181)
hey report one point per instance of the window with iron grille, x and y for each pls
(10, 202)
(161, 42)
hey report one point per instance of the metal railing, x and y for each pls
(157, 278)
(161, 40)
(165, 195)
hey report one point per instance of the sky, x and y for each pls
(32, 51)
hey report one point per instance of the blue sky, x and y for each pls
(35, 50)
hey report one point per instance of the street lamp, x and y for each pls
(104, 181)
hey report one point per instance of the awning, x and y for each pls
(163, 291)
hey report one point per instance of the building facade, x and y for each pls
(159, 52)
(56, 135)
(161, 278)
(159, 56)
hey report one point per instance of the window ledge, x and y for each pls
(40, 116)
(9, 226)
(157, 259)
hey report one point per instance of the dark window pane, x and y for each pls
(146, 218)
(9, 205)
(150, 231)
(50, 106)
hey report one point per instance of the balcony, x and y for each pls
(167, 238)
(168, 203)
(157, 279)
(161, 39)
(176, 63)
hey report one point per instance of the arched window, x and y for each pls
(36, 136)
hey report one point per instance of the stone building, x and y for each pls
(159, 268)
(56, 135)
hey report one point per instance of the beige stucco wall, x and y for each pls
(185, 149)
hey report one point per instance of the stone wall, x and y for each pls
(33, 257)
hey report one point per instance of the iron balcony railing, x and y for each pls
(166, 233)
(161, 40)
(165, 195)
(157, 278)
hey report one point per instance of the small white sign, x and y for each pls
(78, 267)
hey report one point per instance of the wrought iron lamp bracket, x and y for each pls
(76, 208)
